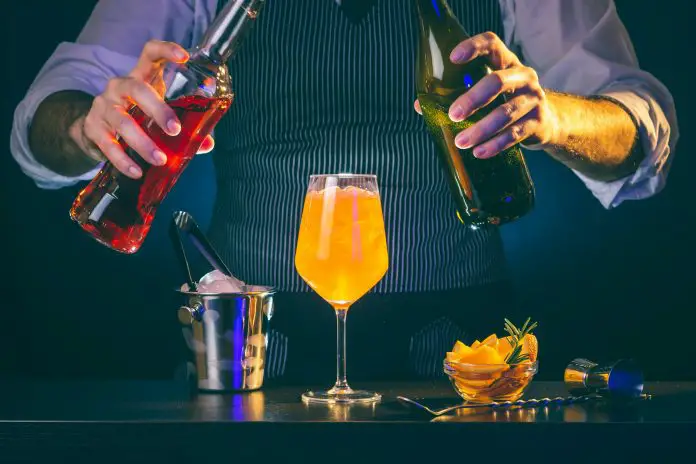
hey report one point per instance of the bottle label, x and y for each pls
(104, 203)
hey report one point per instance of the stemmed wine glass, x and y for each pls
(341, 254)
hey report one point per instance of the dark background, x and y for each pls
(602, 284)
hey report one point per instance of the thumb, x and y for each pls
(417, 107)
(153, 57)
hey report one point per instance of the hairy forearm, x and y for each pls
(55, 135)
(594, 136)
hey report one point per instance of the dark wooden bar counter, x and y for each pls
(162, 421)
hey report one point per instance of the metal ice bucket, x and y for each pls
(227, 334)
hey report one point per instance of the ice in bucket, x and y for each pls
(215, 282)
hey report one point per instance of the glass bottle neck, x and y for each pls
(437, 13)
(433, 10)
(227, 31)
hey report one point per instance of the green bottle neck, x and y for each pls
(432, 9)
(440, 33)
(437, 13)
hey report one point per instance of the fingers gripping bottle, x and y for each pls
(486, 191)
(116, 210)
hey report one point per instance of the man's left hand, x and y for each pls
(526, 116)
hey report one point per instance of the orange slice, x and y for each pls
(491, 340)
(484, 354)
(504, 347)
(461, 348)
(530, 345)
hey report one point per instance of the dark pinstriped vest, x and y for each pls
(317, 93)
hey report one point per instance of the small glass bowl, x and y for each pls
(484, 383)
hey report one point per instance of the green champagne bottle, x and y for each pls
(486, 191)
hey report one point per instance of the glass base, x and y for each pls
(342, 396)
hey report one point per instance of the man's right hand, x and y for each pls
(108, 117)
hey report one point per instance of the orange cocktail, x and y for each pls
(342, 253)
(342, 249)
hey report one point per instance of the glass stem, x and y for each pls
(341, 381)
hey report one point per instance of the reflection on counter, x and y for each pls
(484, 414)
(594, 412)
(574, 413)
(342, 412)
(604, 412)
(248, 406)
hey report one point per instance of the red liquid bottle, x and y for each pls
(116, 210)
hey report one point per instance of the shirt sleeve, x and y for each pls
(581, 47)
(108, 46)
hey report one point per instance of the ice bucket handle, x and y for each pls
(192, 313)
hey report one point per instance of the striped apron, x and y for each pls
(318, 93)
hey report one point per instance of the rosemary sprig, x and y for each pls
(516, 341)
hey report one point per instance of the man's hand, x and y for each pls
(108, 117)
(593, 135)
(526, 116)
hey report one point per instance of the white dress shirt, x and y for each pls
(576, 46)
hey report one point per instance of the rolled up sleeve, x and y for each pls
(108, 46)
(581, 47)
(86, 68)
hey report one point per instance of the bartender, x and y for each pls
(328, 86)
